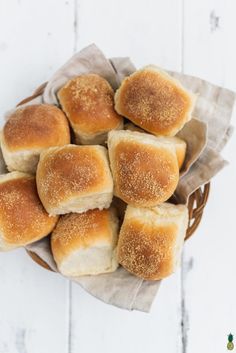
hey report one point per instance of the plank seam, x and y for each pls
(75, 26)
(69, 338)
(182, 36)
(184, 313)
(75, 33)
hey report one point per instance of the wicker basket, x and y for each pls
(196, 203)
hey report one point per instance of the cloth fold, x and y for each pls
(206, 136)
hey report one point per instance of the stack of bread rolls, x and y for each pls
(96, 174)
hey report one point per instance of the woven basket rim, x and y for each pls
(196, 202)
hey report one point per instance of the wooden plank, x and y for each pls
(209, 27)
(118, 330)
(35, 39)
(209, 257)
(34, 307)
(148, 32)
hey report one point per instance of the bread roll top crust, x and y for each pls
(145, 171)
(153, 256)
(36, 126)
(154, 101)
(179, 144)
(150, 240)
(72, 170)
(22, 216)
(80, 231)
(88, 101)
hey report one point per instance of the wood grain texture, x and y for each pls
(34, 307)
(40, 312)
(34, 304)
(209, 260)
(96, 326)
(148, 32)
(209, 31)
(31, 49)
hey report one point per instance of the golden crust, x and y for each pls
(36, 126)
(75, 231)
(150, 240)
(69, 171)
(88, 101)
(179, 144)
(22, 217)
(144, 174)
(146, 251)
(154, 101)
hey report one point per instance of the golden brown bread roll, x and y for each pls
(179, 144)
(74, 179)
(85, 244)
(30, 130)
(88, 101)
(23, 219)
(155, 101)
(151, 240)
(145, 171)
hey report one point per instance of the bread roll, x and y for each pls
(28, 131)
(88, 101)
(23, 219)
(155, 101)
(151, 240)
(85, 244)
(179, 144)
(74, 179)
(145, 170)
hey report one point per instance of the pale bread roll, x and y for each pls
(23, 220)
(179, 144)
(85, 244)
(88, 101)
(30, 130)
(151, 240)
(155, 101)
(74, 179)
(145, 170)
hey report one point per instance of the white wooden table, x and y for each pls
(41, 312)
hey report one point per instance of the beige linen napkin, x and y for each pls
(205, 136)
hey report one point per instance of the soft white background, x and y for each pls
(40, 312)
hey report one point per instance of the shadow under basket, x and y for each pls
(196, 202)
